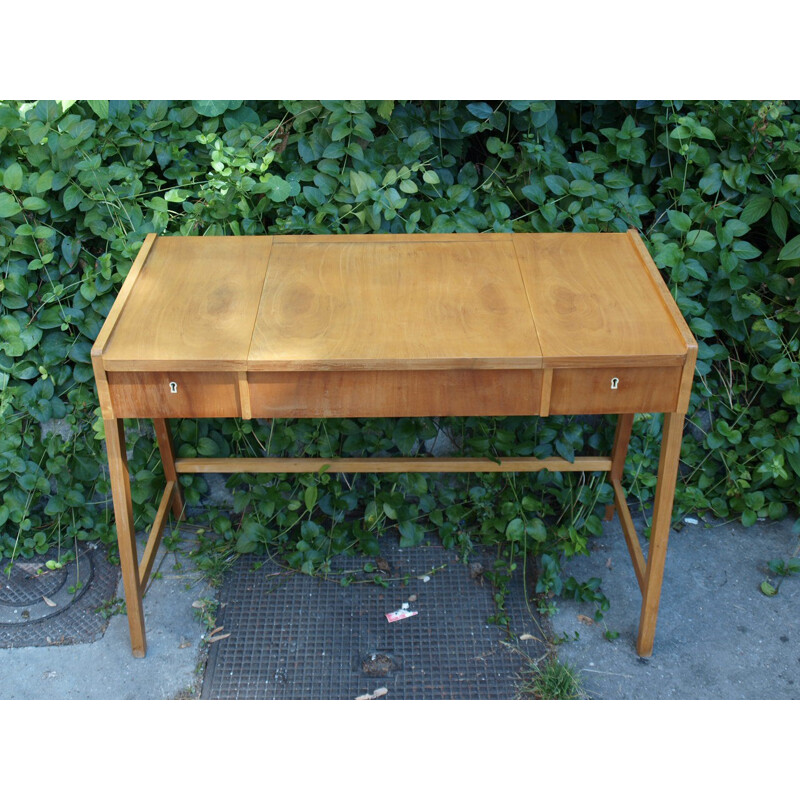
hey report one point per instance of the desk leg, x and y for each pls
(659, 535)
(126, 535)
(167, 449)
(618, 454)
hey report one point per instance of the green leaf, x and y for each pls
(207, 447)
(780, 221)
(314, 196)
(480, 110)
(701, 327)
(768, 589)
(789, 252)
(72, 197)
(755, 209)
(8, 206)
(176, 195)
(310, 497)
(419, 141)
(537, 530)
(556, 184)
(210, 108)
(385, 108)
(279, 189)
(35, 204)
(411, 534)
(12, 177)
(100, 107)
(499, 209)
(745, 250)
(581, 188)
(700, 241)
(680, 221)
(515, 530)
(615, 179)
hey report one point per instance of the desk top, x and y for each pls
(387, 302)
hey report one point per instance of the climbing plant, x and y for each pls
(712, 186)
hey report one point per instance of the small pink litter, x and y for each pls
(401, 613)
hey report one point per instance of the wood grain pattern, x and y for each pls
(631, 537)
(126, 533)
(593, 301)
(395, 393)
(244, 395)
(394, 325)
(640, 389)
(122, 297)
(394, 303)
(166, 448)
(672, 309)
(156, 534)
(194, 305)
(671, 439)
(547, 390)
(391, 465)
(199, 394)
(619, 452)
(660, 287)
(103, 396)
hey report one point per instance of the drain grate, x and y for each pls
(40, 607)
(297, 637)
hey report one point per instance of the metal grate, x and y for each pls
(40, 607)
(28, 581)
(297, 637)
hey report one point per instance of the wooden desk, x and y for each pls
(390, 326)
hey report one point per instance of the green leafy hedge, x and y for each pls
(712, 186)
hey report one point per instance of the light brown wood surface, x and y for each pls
(126, 533)
(198, 394)
(392, 464)
(595, 302)
(394, 325)
(589, 390)
(193, 305)
(395, 393)
(166, 449)
(671, 438)
(393, 304)
(124, 293)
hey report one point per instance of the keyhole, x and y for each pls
(173, 387)
(614, 383)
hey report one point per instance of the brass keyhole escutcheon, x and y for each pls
(173, 387)
(614, 383)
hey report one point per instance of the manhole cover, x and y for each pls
(27, 583)
(41, 606)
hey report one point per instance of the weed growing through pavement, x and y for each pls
(549, 679)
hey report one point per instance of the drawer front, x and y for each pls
(174, 394)
(615, 390)
(395, 393)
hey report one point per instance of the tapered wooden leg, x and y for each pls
(126, 535)
(167, 449)
(618, 454)
(659, 535)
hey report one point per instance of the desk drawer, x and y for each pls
(395, 393)
(615, 390)
(192, 394)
